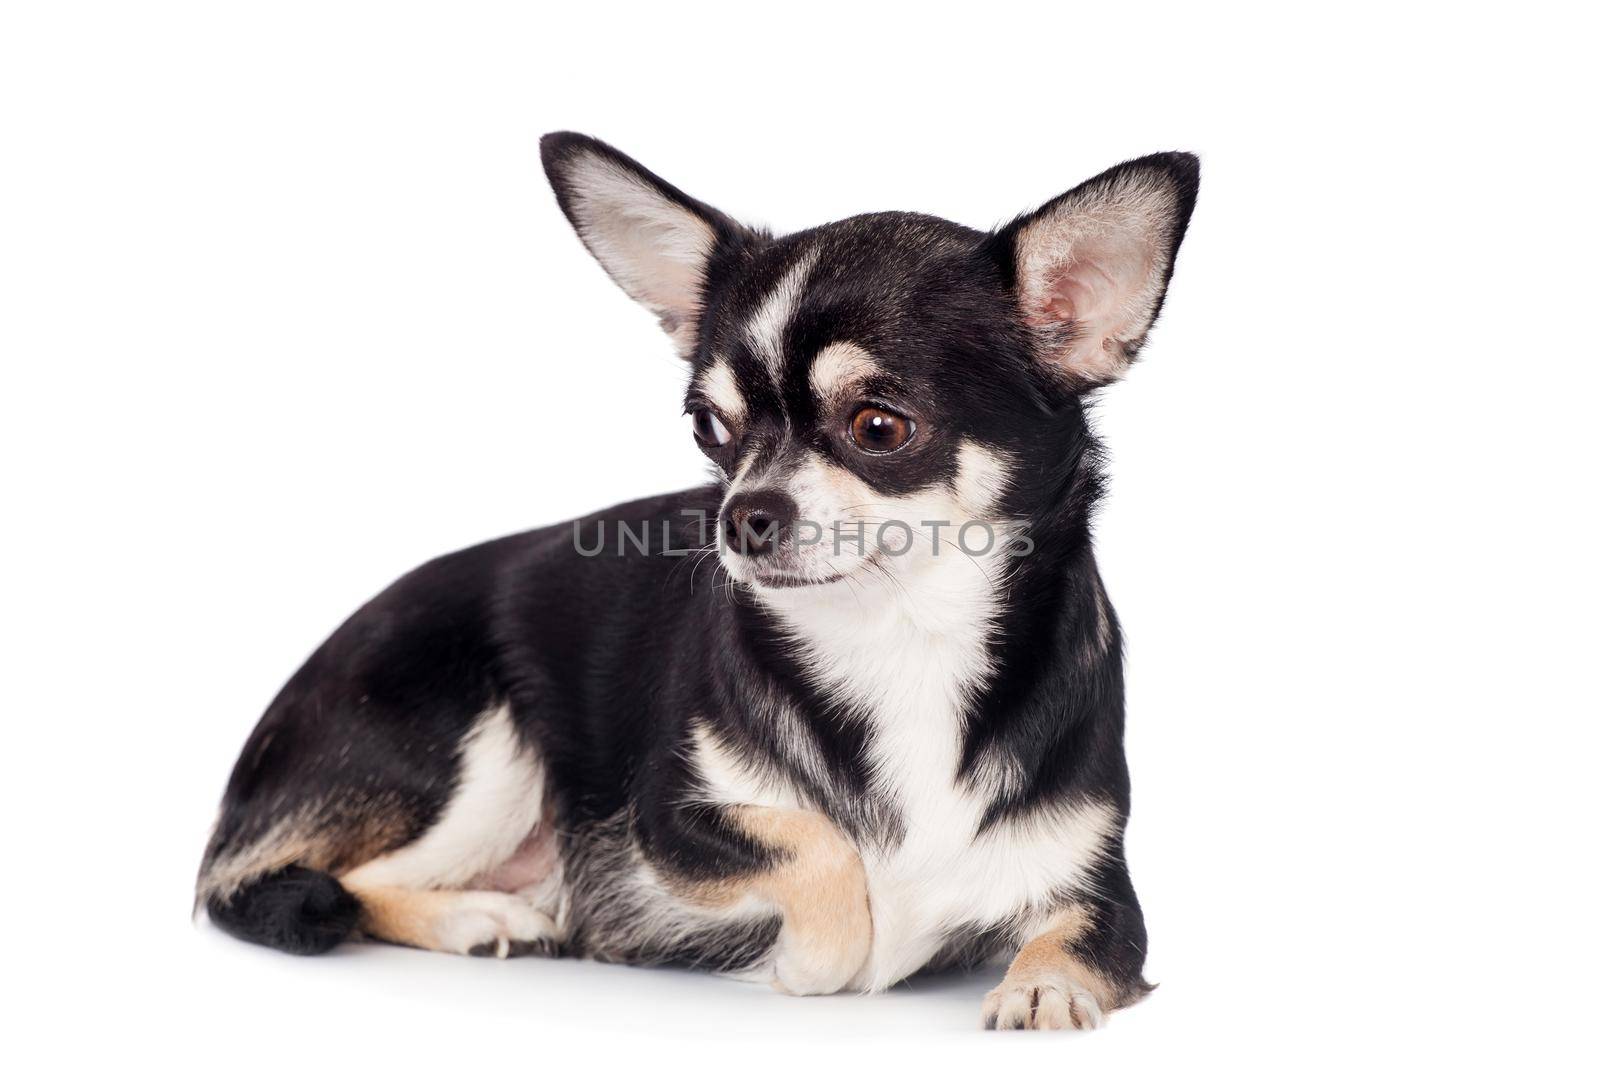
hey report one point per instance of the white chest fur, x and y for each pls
(909, 671)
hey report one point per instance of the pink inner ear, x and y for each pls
(1089, 270)
(1100, 292)
(1081, 292)
(1093, 287)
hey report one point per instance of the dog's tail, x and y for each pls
(293, 909)
(269, 884)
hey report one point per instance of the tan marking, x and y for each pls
(404, 916)
(448, 920)
(1047, 987)
(336, 837)
(838, 367)
(818, 885)
(1047, 956)
(722, 389)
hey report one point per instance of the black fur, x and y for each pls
(293, 909)
(608, 661)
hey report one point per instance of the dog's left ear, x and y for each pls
(652, 239)
(1090, 268)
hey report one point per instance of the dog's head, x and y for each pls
(879, 392)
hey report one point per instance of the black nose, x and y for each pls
(754, 523)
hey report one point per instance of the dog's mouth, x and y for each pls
(781, 580)
(769, 577)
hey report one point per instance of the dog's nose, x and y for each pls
(754, 523)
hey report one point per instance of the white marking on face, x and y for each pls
(766, 326)
(828, 498)
(722, 389)
(838, 367)
(729, 560)
(981, 479)
(740, 473)
(498, 800)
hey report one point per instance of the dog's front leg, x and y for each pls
(812, 875)
(1084, 963)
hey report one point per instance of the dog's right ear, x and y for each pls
(652, 239)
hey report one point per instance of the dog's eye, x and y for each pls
(878, 431)
(709, 429)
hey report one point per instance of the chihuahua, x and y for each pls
(886, 739)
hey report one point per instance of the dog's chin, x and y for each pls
(778, 577)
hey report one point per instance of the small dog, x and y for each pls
(888, 740)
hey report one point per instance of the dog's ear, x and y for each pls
(652, 239)
(1090, 268)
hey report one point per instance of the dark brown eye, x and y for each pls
(878, 431)
(708, 429)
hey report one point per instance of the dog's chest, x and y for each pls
(942, 876)
(938, 877)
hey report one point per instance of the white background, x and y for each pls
(286, 308)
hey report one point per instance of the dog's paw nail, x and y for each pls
(543, 946)
(497, 925)
(499, 949)
(1054, 1005)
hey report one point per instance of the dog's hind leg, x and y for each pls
(474, 923)
(485, 879)
(475, 872)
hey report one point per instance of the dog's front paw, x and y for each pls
(822, 952)
(813, 966)
(1056, 1003)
